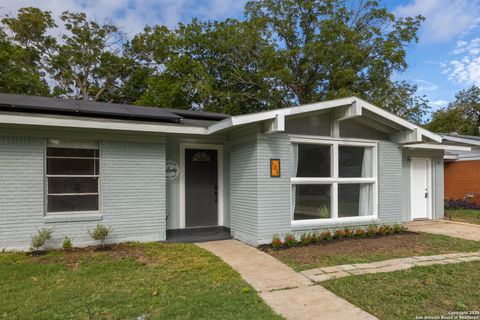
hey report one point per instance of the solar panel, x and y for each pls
(88, 108)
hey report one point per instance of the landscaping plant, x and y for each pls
(290, 240)
(398, 228)
(67, 243)
(338, 234)
(360, 233)
(40, 238)
(347, 233)
(372, 230)
(276, 242)
(100, 233)
(327, 235)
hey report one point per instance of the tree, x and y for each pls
(461, 116)
(214, 66)
(90, 64)
(23, 42)
(333, 48)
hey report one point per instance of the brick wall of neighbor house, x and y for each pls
(132, 192)
(462, 178)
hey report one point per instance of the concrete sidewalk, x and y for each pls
(287, 292)
(447, 228)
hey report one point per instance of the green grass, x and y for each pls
(420, 291)
(350, 251)
(463, 215)
(160, 281)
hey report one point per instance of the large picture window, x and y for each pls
(72, 176)
(333, 180)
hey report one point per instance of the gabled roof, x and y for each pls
(464, 139)
(355, 107)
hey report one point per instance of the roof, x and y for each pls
(22, 110)
(464, 139)
(48, 105)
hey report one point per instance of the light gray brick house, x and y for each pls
(69, 165)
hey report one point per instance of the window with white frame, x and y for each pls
(72, 176)
(333, 179)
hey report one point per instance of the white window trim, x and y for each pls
(68, 216)
(335, 180)
(182, 204)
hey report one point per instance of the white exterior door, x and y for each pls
(420, 188)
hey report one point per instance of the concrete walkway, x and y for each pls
(327, 273)
(452, 229)
(287, 292)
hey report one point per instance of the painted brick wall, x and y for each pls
(461, 178)
(132, 189)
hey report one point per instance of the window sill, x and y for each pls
(72, 217)
(302, 224)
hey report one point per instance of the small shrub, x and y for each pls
(67, 243)
(276, 242)
(389, 230)
(466, 203)
(40, 238)
(398, 228)
(382, 230)
(372, 230)
(306, 239)
(290, 240)
(317, 237)
(338, 234)
(360, 233)
(348, 233)
(100, 233)
(327, 235)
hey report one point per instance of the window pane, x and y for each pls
(70, 152)
(313, 160)
(65, 166)
(355, 200)
(311, 201)
(354, 161)
(72, 185)
(72, 203)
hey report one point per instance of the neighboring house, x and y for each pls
(462, 169)
(69, 165)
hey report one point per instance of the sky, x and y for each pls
(446, 59)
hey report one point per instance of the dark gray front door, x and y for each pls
(201, 189)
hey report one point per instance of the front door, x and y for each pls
(201, 188)
(420, 188)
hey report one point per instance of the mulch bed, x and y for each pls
(385, 244)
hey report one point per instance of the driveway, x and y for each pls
(452, 229)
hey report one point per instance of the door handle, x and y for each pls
(426, 195)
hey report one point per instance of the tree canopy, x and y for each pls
(282, 53)
(461, 116)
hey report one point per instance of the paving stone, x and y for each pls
(329, 276)
(312, 272)
(429, 263)
(331, 269)
(469, 259)
(347, 267)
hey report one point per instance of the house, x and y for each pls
(69, 165)
(462, 169)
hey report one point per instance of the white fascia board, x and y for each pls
(450, 156)
(433, 146)
(88, 123)
(462, 140)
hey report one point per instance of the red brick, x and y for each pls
(462, 178)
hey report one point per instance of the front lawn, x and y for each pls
(154, 280)
(420, 291)
(463, 215)
(347, 251)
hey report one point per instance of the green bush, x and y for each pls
(327, 235)
(100, 233)
(40, 238)
(290, 240)
(347, 233)
(360, 233)
(307, 238)
(67, 243)
(398, 228)
(372, 230)
(276, 241)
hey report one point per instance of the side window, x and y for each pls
(72, 176)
